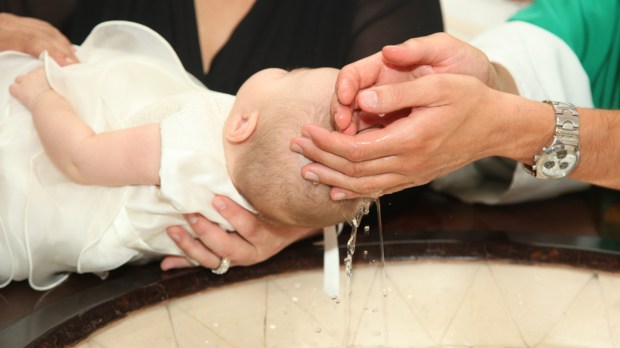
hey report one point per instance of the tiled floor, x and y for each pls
(428, 304)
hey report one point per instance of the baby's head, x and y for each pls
(270, 110)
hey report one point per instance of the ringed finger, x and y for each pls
(173, 262)
(194, 248)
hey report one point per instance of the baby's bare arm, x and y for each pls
(124, 157)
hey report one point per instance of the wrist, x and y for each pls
(41, 97)
(500, 79)
(529, 126)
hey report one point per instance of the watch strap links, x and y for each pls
(567, 123)
(566, 135)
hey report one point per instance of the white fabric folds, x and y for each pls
(128, 76)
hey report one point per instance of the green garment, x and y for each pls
(591, 28)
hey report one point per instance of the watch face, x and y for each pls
(557, 163)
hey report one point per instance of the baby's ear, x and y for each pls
(241, 126)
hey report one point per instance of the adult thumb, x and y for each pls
(387, 98)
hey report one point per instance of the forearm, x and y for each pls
(62, 133)
(531, 127)
(128, 156)
(515, 127)
(600, 147)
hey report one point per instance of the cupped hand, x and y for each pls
(452, 121)
(253, 241)
(28, 88)
(437, 53)
(33, 36)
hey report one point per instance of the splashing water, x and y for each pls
(380, 224)
(355, 224)
(348, 264)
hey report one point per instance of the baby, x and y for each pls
(105, 154)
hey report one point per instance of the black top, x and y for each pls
(275, 33)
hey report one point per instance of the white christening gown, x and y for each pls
(128, 75)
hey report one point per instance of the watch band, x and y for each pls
(566, 123)
(566, 139)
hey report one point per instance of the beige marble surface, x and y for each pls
(428, 304)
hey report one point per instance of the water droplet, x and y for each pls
(294, 299)
(272, 326)
(297, 285)
(366, 229)
(216, 324)
(318, 330)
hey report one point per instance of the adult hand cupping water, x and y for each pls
(450, 120)
(451, 123)
(33, 36)
(437, 53)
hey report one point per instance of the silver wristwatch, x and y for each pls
(562, 156)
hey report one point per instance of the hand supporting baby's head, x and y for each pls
(268, 175)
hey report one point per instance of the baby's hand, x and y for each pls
(28, 88)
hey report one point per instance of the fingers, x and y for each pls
(29, 87)
(379, 161)
(211, 242)
(63, 57)
(172, 262)
(426, 91)
(351, 79)
(193, 248)
(438, 53)
(427, 50)
(255, 242)
(307, 148)
(217, 242)
(350, 169)
(33, 36)
(358, 148)
(244, 222)
(389, 98)
(347, 187)
(339, 193)
(47, 38)
(343, 116)
(357, 76)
